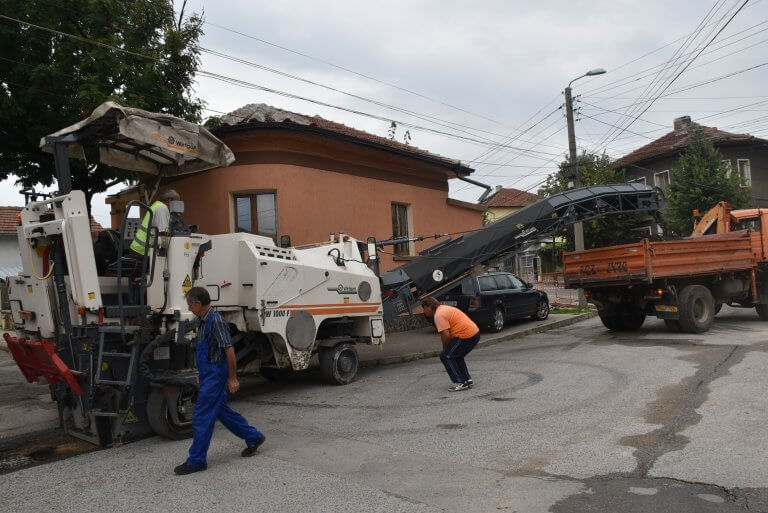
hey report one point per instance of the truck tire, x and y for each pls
(762, 311)
(160, 420)
(611, 321)
(696, 308)
(673, 325)
(623, 319)
(338, 364)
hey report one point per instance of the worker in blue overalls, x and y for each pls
(216, 365)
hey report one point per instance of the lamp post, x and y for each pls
(578, 228)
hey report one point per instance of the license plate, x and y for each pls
(666, 308)
(449, 303)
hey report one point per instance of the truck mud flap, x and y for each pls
(37, 358)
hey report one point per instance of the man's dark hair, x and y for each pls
(430, 302)
(200, 295)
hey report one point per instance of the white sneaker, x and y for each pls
(470, 382)
(458, 387)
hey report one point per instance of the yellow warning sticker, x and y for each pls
(186, 285)
(130, 417)
(186, 245)
(346, 300)
(29, 289)
(91, 295)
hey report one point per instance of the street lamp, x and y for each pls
(578, 228)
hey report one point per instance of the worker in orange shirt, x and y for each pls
(459, 334)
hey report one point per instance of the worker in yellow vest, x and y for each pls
(161, 218)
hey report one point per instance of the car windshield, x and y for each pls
(517, 282)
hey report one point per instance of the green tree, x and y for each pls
(699, 180)
(49, 81)
(594, 169)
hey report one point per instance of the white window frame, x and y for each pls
(745, 180)
(656, 181)
(641, 180)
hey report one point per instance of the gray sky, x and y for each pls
(489, 70)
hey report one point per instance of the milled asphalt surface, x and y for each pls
(574, 419)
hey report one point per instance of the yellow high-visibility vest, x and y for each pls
(138, 245)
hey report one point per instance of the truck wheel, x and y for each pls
(673, 325)
(696, 309)
(611, 321)
(624, 319)
(632, 320)
(160, 419)
(497, 322)
(338, 364)
(762, 311)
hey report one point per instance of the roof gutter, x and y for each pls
(488, 188)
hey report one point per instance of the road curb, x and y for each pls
(484, 341)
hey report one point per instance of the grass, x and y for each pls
(571, 309)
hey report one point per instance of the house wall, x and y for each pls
(9, 251)
(497, 213)
(757, 155)
(322, 186)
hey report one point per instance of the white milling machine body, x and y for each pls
(116, 345)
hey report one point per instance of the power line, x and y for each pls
(242, 83)
(348, 70)
(660, 76)
(683, 70)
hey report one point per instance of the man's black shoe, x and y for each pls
(251, 449)
(185, 469)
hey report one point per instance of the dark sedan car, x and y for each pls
(493, 298)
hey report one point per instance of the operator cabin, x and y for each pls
(306, 177)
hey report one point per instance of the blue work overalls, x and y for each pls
(212, 403)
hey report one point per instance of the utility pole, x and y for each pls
(578, 228)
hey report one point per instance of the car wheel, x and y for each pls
(497, 322)
(542, 310)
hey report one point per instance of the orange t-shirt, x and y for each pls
(452, 319)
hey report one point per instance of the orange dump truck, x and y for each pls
(685, 282)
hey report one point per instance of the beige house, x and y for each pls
(504, 201)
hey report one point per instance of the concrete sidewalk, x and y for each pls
(425, 343)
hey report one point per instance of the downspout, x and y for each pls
(488, 188)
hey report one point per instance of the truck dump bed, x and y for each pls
(644, 262)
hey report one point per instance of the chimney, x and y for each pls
(682, 124)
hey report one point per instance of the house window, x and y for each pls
(257, 214)
(641, 180)
(661, 180)
(745, 175)
(401, 227)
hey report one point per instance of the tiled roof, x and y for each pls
(9, 221)
(678, 140)
(510, 197)
(259, 113)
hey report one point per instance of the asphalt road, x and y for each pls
(573, 420)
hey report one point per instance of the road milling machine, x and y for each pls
(113, 336)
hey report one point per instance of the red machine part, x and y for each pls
(37, 358)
